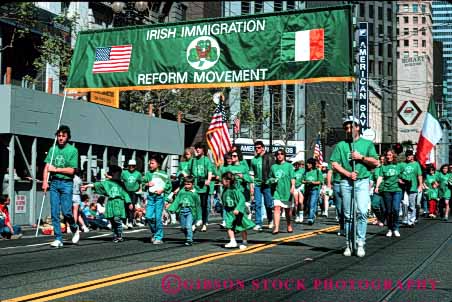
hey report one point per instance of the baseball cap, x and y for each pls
(351, 119)
(132, 162)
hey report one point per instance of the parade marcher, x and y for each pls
(234, 204)
(390, 174)
(201, 168)
(376, 201)
(444, 191)
(433, 198)
(312, 180)
(333, 182)
(411, 184)
(282, 178)
(353, 159)
(61, 162)
(260, 166)
(132, 180)
(188, 206)
(158, 183)
(431, 175)
(114, 189)
(184, 166)
(299, 190)
(76, 202)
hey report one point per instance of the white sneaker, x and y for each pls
(76, 237)
(297, 219)
(231, 244)
(389, 233)
(109, 226)
(301, 217)
(360, 252)
(125, 226)
(139, 224)
(193, 227)
(130, 226)
(242, 246)
(396, 234)
(199, 223)
(69, 231)
(204, 228)
(271, 225)
(223, 224)
(347, 252)
(257, 228)
(56, 243)
(85, 229)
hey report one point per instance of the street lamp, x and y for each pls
(130, 13)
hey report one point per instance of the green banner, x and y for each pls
(265, 49)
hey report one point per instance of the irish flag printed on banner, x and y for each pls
(430, 135)
(304, 45)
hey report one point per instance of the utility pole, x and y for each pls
(270, 91)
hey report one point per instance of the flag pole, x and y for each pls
(51, 160)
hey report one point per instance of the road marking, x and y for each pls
(78, 288)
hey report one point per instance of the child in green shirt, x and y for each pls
(433, 197)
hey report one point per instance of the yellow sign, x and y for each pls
(107, 98)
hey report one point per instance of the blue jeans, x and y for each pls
(61, 200)
(6, 232)
(361, 201)
(154, 211)
(186, 221)
(313, 198)
(116, 226)
(268, 202)
(392, 203)
(339, 203)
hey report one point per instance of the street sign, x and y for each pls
(409, 112)
(369, 134)
(363, 85)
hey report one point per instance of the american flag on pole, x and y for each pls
(112, 59)
(318, 150)
(217, 135)
(237, 125)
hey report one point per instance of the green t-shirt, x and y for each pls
(391, 174)
(163, 176)
(132, 181)
(433, 194)
(256, 167)
(282, 174)
(376, 172)
(233, 198)
(200, 168)
(443, 179)
(411, 171)
(66, 157)
(299, 177)
(116, 198)
(241, 182)
(429, 179)
(184, 168)
(336, 176)
(188, 199)
(313, 175)
(342, 155)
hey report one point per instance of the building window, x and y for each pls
(390, 31)
(362, 10)
(415, 54)
(415, 20)
(406, 54)
(380, 30)
(415, 31)
(423, 30)
(415, 8)
(398, 55)
(406, 31)
(371, 66)
(380, 13)
(371, 29)
(389, 70)
(389, 14)
(406, 8)
(290, 4)
(380, 49)
(424, 43)
(406, 43)
(424, 20)
(415, 43)
(398, 43)
(423, 8)
(245, 7)
(380, 67)
(397, 31)
(398, 21)
(389, 50)
(397, 8)
(258, 6)
(277, 5)
(371, 11)
(406, 20)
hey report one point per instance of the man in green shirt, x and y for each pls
(412, 184)
(132, 181)
(353, 159)
(61, 162)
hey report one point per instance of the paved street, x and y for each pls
(306, 265)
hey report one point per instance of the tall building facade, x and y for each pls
(442, 32)
(415, 66)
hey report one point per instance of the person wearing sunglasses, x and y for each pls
(260, 169)
(354, 158)
(282, 178)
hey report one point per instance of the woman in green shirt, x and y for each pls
(444, 192)
(388, 183)
(312, 180)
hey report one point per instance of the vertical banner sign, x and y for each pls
(363, 85)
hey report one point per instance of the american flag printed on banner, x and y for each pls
(217, 135)
(112, 59)
(318, 150)
(237, 125)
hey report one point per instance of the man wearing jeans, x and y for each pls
(260, 166)
(353, 159)
(61, 162)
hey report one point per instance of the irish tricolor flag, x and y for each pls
(304, 45)
(430, 135)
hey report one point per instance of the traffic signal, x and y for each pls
(398, 148)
